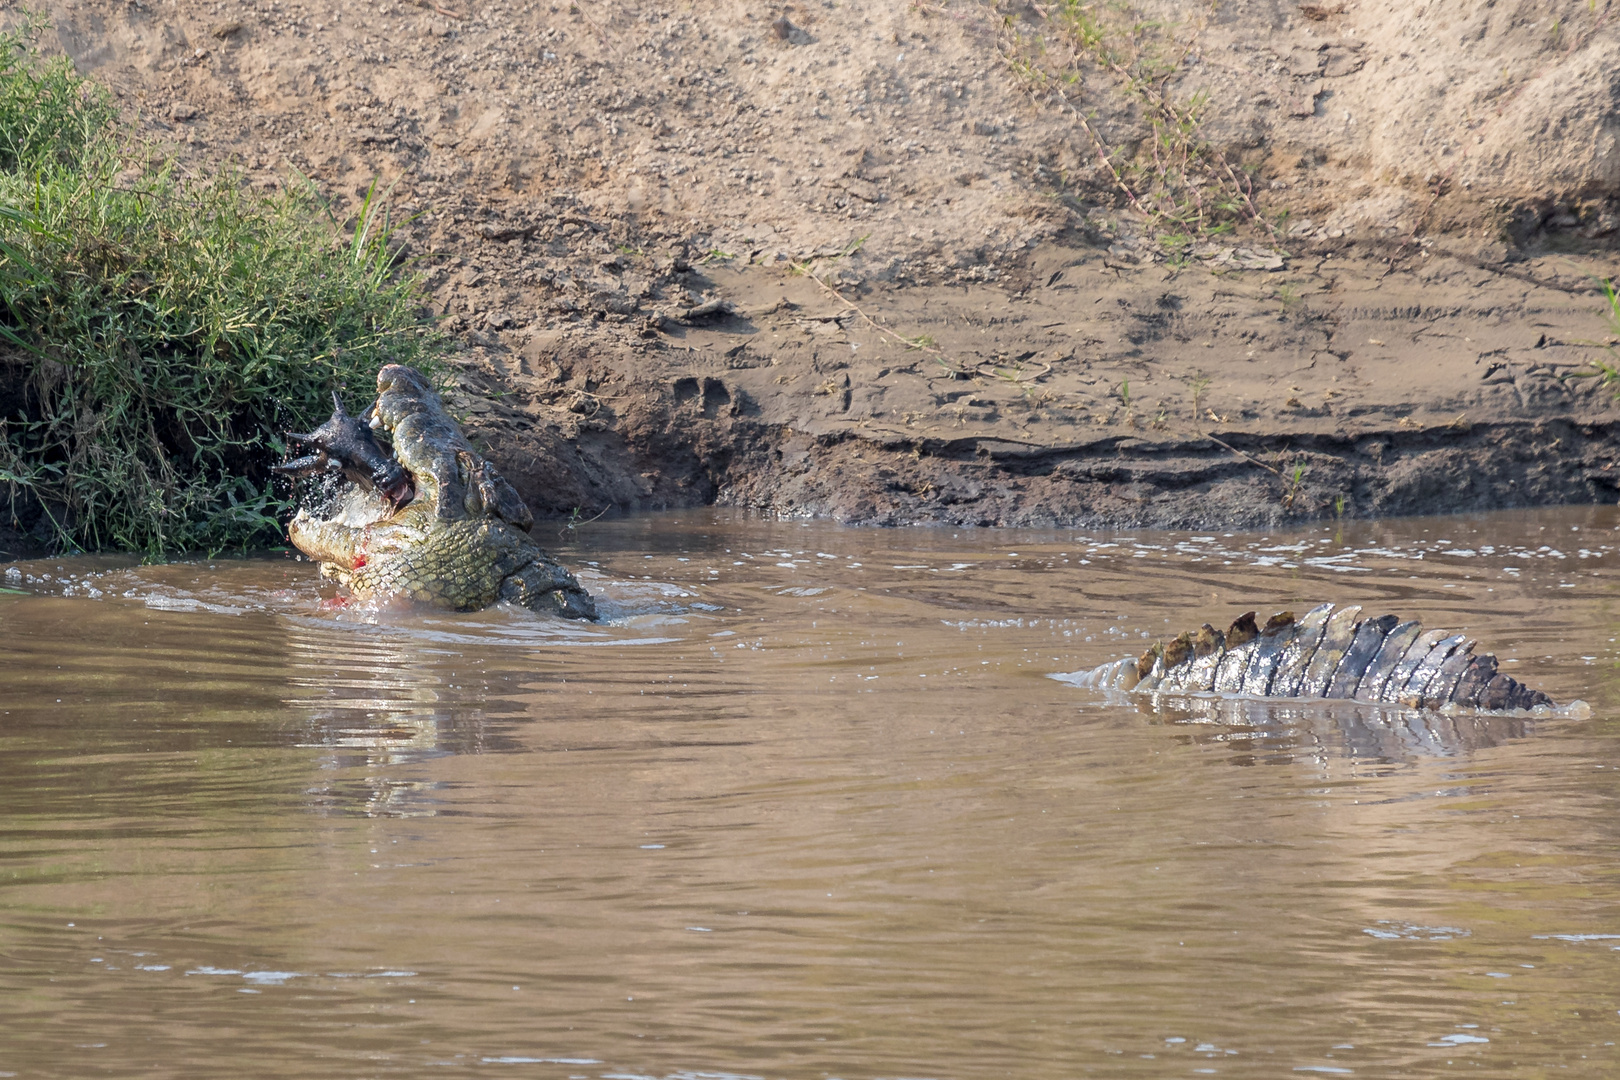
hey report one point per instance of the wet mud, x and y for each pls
(1089, 392)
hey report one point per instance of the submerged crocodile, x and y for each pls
(1325, 654)
(433, 521)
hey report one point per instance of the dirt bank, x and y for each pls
(902, 262)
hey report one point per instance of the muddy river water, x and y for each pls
(807, 804)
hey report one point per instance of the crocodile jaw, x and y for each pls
(461, 543)
(365, 526)
(339, 541)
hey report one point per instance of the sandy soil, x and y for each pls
(844, 259)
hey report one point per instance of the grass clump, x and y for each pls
(1608, 371)
(1182, 185)
(159, 332)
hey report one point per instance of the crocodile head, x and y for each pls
(461, 541)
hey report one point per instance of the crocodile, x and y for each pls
(1327, 653)
(431, 522)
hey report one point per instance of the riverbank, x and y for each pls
(881, 265)
(1089, 391)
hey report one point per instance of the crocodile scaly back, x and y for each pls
(1327, 653)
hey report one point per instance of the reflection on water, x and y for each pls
(1323, 734)
(807, 803)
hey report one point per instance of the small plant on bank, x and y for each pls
(1198, 386)
(1176, 179)
(159, 333)
(1607, 372)
(1294, 487)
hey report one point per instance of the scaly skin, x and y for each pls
(1325, 654)
(461, 543)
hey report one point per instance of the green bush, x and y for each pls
(158, 333)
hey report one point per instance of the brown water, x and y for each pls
(807, 805)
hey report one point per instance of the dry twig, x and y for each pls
(1102, 153)
(1440, 187)
(440, 8)
(1270, 469)
(939, 354)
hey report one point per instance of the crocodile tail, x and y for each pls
(1326, 654)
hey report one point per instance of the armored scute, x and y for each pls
(1326, 654)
